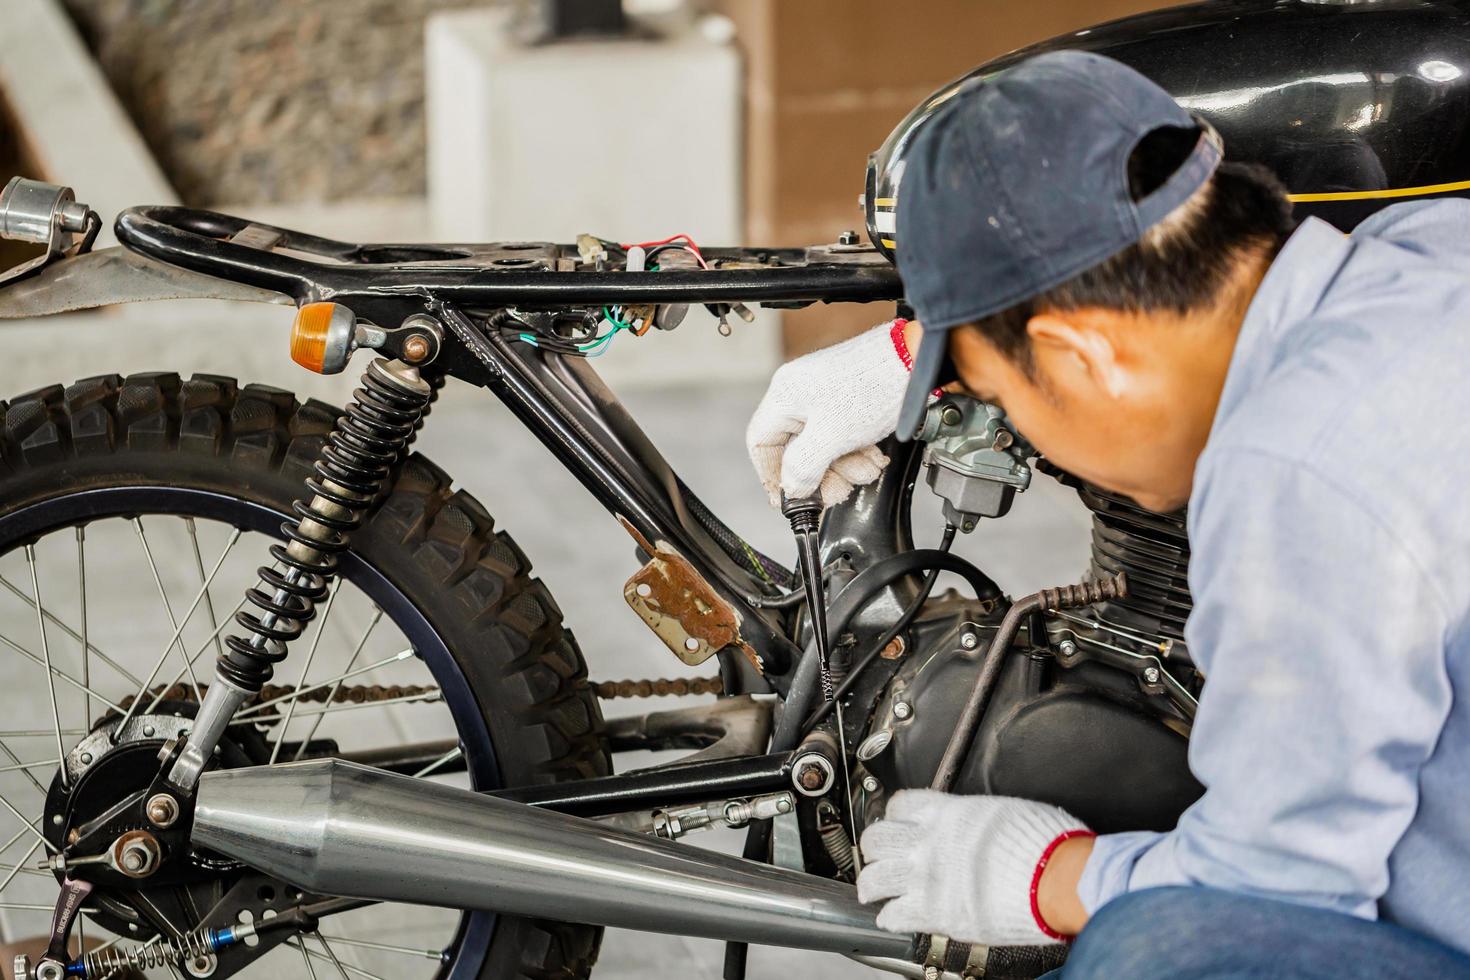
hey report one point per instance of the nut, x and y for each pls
(1067, 648)
(416, 347)
(162, 810)
(1151, 674)
(894, 649)
(136, 854)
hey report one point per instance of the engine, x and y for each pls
(1093, 707)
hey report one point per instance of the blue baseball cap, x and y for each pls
(1020, 182)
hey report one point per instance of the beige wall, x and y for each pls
(828, 79)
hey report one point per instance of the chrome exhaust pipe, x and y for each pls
(338, 828)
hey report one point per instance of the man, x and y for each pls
(1147, 317)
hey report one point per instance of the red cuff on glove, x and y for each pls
(900, 345)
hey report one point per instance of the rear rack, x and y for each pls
(528, 275)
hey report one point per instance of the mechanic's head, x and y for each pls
(1074, 235)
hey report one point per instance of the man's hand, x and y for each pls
(819, 422)
(972, 867)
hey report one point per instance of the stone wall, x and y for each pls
(271, 100)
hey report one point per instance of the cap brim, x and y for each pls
(922, 380)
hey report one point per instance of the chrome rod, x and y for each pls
(337, 828)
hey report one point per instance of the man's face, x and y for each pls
(1121, 400)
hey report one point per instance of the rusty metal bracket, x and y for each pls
(683, 610)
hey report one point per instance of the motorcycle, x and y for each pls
(206, 822)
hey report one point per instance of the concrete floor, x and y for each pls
(581, 554)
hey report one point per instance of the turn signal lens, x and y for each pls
(320, 337)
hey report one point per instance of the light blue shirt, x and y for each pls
(1330, 531)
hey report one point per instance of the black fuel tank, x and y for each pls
(1353, 103)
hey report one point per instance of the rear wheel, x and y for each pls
(133, 511)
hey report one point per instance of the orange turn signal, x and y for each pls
(321, 337)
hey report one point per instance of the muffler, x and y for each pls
(338, 828)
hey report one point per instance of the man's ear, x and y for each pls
(1077, 344)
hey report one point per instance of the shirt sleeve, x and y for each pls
(1322, 642)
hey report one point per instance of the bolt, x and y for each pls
(134, 859)
(1067, 648)
(50, 970)
(1003, 440)
(1151, 674)
(811, 776)
(783, 805)
(163, 810)
(902, 710)
(57, 820)
(73, 836)
(847, 238)
(149, 731)
(692, 645)
(871, 784)
(950, 415)
(86, 758)
(893, 650)
(969, 640)
(415, 348)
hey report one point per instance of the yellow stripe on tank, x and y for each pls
(1458, 185)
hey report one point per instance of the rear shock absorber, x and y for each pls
(353, 468)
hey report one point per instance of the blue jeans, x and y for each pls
(1204, 934)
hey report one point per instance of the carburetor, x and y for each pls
(976, 462)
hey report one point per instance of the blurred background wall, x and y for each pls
(270, 102)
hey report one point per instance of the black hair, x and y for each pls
(1183, 262)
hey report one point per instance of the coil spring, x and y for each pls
(354, 465)
(835, 841)
(164, 953)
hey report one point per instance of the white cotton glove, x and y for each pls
(963, 866)
(819, 422)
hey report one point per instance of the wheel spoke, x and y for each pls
(219, 647)
(428, 954)
(300, 692)
(65, 628)
(46, 654)
(449, 756)
(57, 671)
(356, 652)
(82, 597)
(30, 825)
(178, 627)
(335, 962)
(20, 865)
(316, 640)
(23, 766)
(168, 609)
(306, 958)
(297, 944)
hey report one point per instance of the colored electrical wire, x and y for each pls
(689, 244)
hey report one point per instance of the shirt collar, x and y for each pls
(1289, 293)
